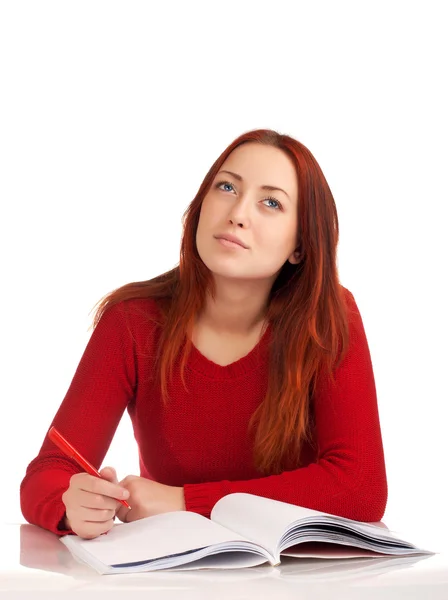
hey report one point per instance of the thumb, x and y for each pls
(110, 474)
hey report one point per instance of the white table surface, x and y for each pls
(35, 564)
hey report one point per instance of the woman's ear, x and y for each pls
(295, 257)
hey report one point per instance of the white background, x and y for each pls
(112, 113)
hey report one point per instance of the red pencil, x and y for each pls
(68, 449)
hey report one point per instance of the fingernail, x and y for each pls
(125, 494)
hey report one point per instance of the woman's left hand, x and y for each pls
(149, 498)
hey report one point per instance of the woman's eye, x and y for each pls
(274, 200)
(224, 183)
(269, 199)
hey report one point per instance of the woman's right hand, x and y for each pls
(91, 503)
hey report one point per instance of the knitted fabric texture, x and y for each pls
(200, 439)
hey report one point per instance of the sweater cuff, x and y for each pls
(41, 500)
(202, 497)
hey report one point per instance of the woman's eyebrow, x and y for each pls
(270, 188)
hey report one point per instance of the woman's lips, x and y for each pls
(228, 244)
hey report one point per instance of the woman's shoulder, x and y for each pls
(134, 313)
(147, 305)
(347, 294)
(136, 319)
(140, 310)
(350, 302)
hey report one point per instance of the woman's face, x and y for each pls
(264, 220)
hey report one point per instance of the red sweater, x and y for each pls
(200, 441)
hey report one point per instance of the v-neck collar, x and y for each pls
(251, 361)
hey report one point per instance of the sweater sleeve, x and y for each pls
(349, 475)
(102, 387)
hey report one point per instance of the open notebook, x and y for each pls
(244, 530)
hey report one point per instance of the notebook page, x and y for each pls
(264, 521)
(153, 537)
(258, 519)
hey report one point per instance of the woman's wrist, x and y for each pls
(182, 499)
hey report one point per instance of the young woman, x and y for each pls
(245, 368)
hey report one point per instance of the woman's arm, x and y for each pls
(102, 387)
(349, 476)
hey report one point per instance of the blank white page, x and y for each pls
(258, 519)
(154, 537)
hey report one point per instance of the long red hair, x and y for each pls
(307, 308)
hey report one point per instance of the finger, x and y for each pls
(97, 501)
(124, 514)
(97, 485)
(95, 515)
(89, 530)
(110, 474)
